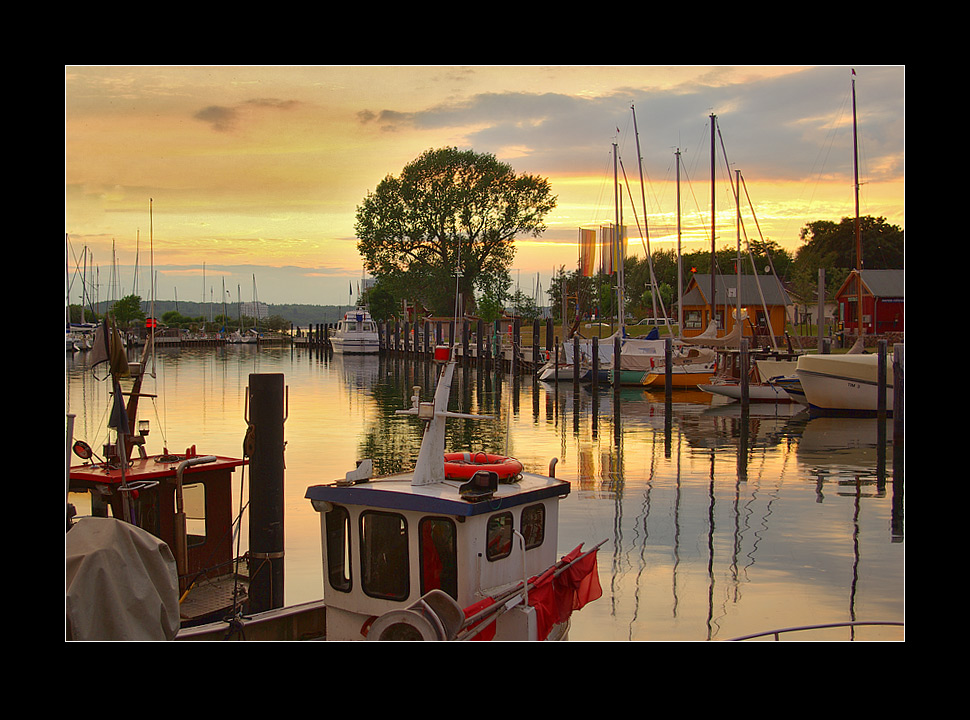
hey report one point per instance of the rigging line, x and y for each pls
(649, 259)
(690, 187)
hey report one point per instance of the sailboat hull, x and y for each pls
(761, 392)
(842, 384)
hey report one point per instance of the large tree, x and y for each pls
(449, 221)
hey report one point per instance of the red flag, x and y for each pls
(489, 632)
(555, 598)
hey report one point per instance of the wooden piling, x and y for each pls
(266, 469)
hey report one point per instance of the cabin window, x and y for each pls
(384, 571)
(533, 525)
(338, 548)
(193, 504)
(439, 556)
(499, 536)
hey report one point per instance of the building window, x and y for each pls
(499, 536)
(338, 548)
(439, 556)
(384, 568)
(533, 525)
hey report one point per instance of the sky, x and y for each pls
(243, 182)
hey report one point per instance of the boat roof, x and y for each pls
(150, 468)
(396, 492)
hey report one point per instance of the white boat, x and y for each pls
(839, 384)
(638, 356)
(764, 381)
(419, 556)
(356, 333)
(248, 338)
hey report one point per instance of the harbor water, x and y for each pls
(718, 524)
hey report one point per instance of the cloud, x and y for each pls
(226, 119)
(776, 127)
(222, 119)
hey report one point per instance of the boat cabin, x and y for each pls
(386, 544)
(185, 501)
(414, 554)
(356, 321)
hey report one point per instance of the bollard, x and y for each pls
(266, 469)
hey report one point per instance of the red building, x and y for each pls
(883, 307)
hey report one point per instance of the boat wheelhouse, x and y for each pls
(417, 555)
(184, 500)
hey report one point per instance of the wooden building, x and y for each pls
(883, 306)
(763, 300)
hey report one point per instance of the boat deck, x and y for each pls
(213, 595)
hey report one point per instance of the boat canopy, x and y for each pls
(120, 583)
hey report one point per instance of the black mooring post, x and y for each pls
(266, 417)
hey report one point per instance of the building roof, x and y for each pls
(770, 287)
(879, 283)
(884, 283)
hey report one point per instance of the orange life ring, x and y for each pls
(461, 466)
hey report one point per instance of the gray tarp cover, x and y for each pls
(120, 583)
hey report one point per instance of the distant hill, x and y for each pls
(298, 315)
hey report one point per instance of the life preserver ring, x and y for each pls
(462, 466)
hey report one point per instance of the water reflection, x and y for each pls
(721, 522)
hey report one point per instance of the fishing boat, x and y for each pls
(183, 499)
(356, 333)
(843, 384)
(427, 555)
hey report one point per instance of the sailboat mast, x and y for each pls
(654, 290)
(618, 250)
(858, 232)
(737, 261)
(680, 269)
(713, 221)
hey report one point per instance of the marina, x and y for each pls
(717, 521)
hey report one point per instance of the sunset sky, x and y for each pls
(258, 170)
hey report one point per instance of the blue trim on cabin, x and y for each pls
(391, 500)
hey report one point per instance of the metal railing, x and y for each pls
(801, 628)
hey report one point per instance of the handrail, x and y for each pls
(800, 628)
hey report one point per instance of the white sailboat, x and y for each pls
(840, 384)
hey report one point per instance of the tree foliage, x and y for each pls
(832, 246)
(128, 310)
(449, 211)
